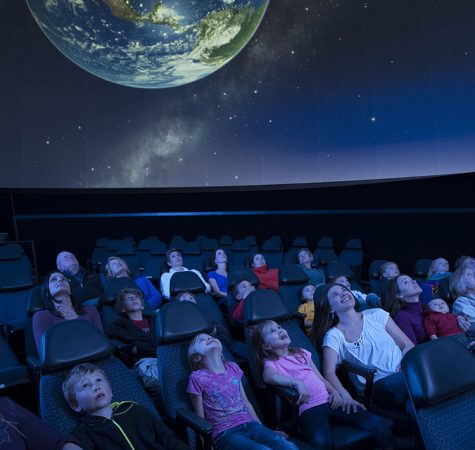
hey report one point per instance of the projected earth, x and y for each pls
(149, 43)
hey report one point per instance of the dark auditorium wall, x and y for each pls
(401, 220)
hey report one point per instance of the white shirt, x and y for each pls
(374, 348)
(166, 277)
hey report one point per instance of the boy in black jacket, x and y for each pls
(106, 425)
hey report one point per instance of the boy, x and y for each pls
(438, 321)
(105, 425)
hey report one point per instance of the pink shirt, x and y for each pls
(223, 403)
(298, 366)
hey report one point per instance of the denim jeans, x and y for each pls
(315, 424)
(252, 436)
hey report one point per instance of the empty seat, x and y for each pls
(192, 257)
(12, 373)
(272, 251)
(99, 253)
(291, 281)
(208, 249)
(126, 251)
(352, 254)
(15, 269)
(177, 242)
(225, 242)
(239, 253)
(421, 269)
(252, 241)
(325, 252)
(374, 281)
(155, 263)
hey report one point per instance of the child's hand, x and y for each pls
(303, 393)
(350, 405)
(463, 322)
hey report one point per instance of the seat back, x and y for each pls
(112, 287)
(325, 252)
(421, 269)
(186, 281)
(65, 344)
(291, 281)
(15, 269)
(208, 249)
(239, 254)
(192, 257)
(12, 373)
(272, 251)
(154, 264)
(440, 377)
(177, 242)
(374, 282)
(352, 255)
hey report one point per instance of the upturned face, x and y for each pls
(275, 336)
(408, 288)
(340, 299)
(342, 280)
(305, 257)
(258, 260)
(244, 288)
(440, 265)
(67, 261)
(132, 303)
(175, 260)
(118, 266)
(391, 271)
(92, 392)
(205, 344)
(308, 291)
(187, 297)
(220, 256)
(469, 278)
(58, 284)
(438, 305)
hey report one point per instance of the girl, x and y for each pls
(370, 337)
(318, 399)
(307, 307)
(217, 394)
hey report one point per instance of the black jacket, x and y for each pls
(143, 430)
(125, 331)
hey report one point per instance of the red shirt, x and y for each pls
(268, 278)
(440, 324)
(142, 324)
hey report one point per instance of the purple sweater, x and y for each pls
(43, 319)
(410, 319)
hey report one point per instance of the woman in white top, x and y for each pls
(370, 337)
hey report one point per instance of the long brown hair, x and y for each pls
(48, 299)
(390, 297)
(323, 319)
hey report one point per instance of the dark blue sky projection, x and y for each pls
(324, 91)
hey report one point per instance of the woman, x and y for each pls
(218, 277)
(315, 275)
(117, 268)
(268, 278)
(369, 337)
(60, 305)
(401, 301)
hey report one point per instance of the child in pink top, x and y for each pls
(217, 394)
(318, 399)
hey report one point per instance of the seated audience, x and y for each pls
(236, 348)
(175, 262)
(438, 273)
(218, 277)
(315, 275)
(241, 290)
(268, 278)
(401, 301)
(319, 402)
(60, 305)
(23, 430)
(462, 287)
(217, 395)
(369, 337)
(84, 286)
(117, 268)
(106, 425)
(464, 261)
(388, 271)
(438, 321)
(365, 301)
(307, 308)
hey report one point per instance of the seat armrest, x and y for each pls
(364, 371)
(194, 421)
(288, 393)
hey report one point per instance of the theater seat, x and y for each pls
(325, 252)
(440, 376)
(291, 281)
(186, 282)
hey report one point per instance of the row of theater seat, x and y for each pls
(444, 405)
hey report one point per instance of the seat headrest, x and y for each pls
(240, 245)
(125, 249)
(251, 240)
(337, 269)
(191, 248)
(209, 244)
(292, 274)
(265, 304)
(102, 242)
(114, 244)
(180, 321)
(238, 274)
(374, 268)
(10, 252)
(271, 245)
(300, 241)
(422, 267)
(353, 244)
(115, 285)
(36, 300)
(325, 242)
(186, 281)
(438, 370)
(226, 240)
(159, 248)
(70, 342)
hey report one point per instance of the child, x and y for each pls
(107, 425)
(365, 301)
(217, 394)
(318, 399)
(438, 321)
(388, 271)
(308, 307)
